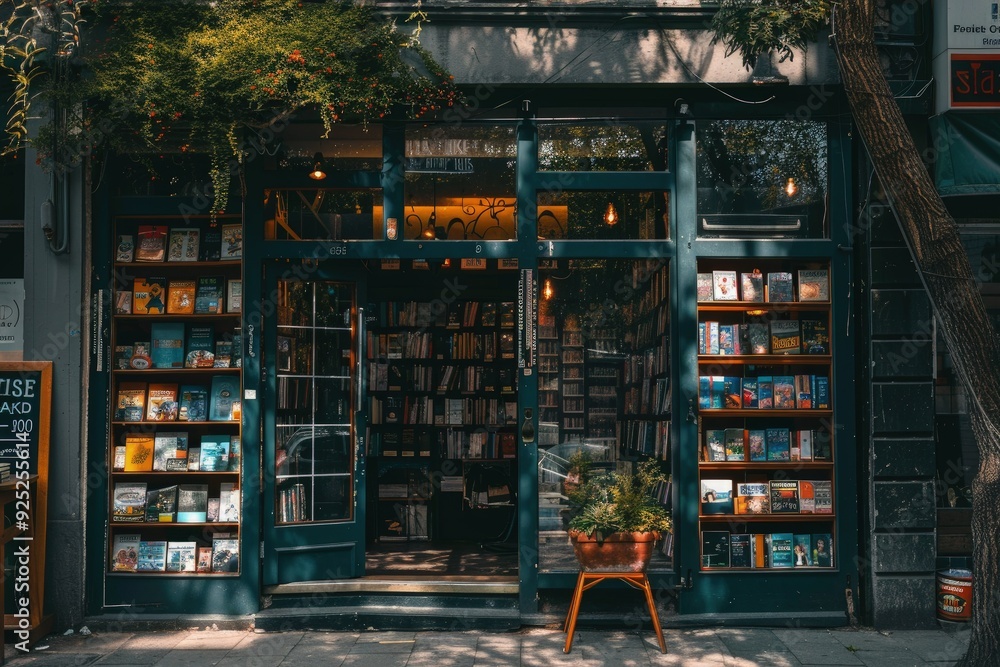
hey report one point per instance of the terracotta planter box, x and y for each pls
(619, 552)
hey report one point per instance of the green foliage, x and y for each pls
(194, 76)
(756, 27)
(619, 501)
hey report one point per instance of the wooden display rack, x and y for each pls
(32, 421)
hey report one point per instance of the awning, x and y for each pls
(968, 152)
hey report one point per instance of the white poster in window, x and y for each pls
(12, 318)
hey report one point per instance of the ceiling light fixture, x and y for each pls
(317, 173)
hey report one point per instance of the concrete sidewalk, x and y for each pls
(715, 647)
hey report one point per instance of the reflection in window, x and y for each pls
(603, 386)
(752, 171)
(611, 146)
(597, 214)
(460, 183)
(322, 214)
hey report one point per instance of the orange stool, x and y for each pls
(587, 580)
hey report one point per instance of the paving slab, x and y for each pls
(134, 656)
(192, 657)
(208, 639)
(265, 645)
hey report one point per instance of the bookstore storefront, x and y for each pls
(426, 331)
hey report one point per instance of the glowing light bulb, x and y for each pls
(611, 215)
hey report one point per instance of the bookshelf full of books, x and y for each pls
(176, 379)
(548, 381)
(765, 414)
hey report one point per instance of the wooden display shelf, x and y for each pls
(765, 518)
(174, 524)
(220, 264)
(173, 473)
(741, 306)
(766, 359)
(757, 465)
(756, 413)
(178, 316)
(186, 371)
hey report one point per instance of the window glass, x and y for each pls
(610, 146)
(603, 214)
(460, 183)
(309, 214)
(762, 178)
(344, 147)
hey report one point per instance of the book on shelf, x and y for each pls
(823, 492)
(815, 336)
(715, 445)
(807, 496)
(125, 552)
(194, 459)
(735, 444)
(180, 297)
(814, 285)
(759, 544)
(125, 249)
(167, 341)
(169, 445)
(161, 505)
(752, 498)
(161, 402)
(130, 405)
(152, 556)
(706, 287)
(759, 338)
(822, 549)
(727, 344)
(232, 241)
(785, 337)
(765, 392)
(779, 287)
(210, 245)
(139, 452)
(783, 391)
(803, 392)
(804, 438)
(204, 563)
(781, 550)
(224, 398)
(193, 402)
(212, 514)
(234, 296)
(209, 295)
(757, 444)
(229, 502)
(801, 550)
(214, 454)
(182, 245)
(714, 549)
(489, 313)
(123, 302)
(237, 339)
(724, 286)
(821, 400)
(752, 286)
(750, 396)
(182, 556)
(141, 355)
(778, 444)
(732, 388)
(225, 555)
(716, 496)
(129, 502)
(740, 552)
(149, 295)
(223, 354)
(235, 453)
(118, 460)
(192, 503)
(151, 243)
(784, 496)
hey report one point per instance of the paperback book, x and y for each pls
(784, 496)
(161, 505)
(167, 340)
(779, 287)
(724, 287)
(129, 502)
(225, 555)
(224, 398)
(740, 550)
(180, 297)
(214, 455)
(705, 287)
(162, 402)
(752, 285)
(716, 496)
(149, 295)
(125, 250)
(781, 554)
(138, 452)
(193, 402)
(785, 337)
(183, 244)
(714, 549)
(200, 348)
(125, 552)
(169, 445)
(209, 295)
(753, 498)
(131, 403)
(182, 556)
(192, 503)
(802, 550)
(151, 244)
(152, 556)
(814, 285)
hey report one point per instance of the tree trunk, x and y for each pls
(933, 238)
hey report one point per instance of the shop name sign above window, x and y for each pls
(975, 80)
(440, 165)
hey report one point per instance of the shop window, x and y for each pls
(603, 386)
(12, 186)
(610, 146)
(762, 178)
(342, 148)
(603, 215)
(310, 214)
(460, 183)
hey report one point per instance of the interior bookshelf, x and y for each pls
(174, 451)
(765, 439)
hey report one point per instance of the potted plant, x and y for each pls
(617, 521)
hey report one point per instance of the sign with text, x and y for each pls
(440, 165)
(972, 24)
(11, 317)
(974, 80)
(24, 414)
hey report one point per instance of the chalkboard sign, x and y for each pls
(25, 389)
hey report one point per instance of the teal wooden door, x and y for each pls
(313, 427)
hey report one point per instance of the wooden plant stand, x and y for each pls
(587, 580)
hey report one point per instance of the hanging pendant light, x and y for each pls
(611, 215)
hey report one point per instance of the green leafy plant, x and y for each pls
(614, 502)
(186, 76)
(755, 27)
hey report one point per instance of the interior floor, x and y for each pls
(441, 559)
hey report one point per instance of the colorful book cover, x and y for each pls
(759, 544)
(234, 453)
(735, 444)
(784, 496)
(183, 244)
(232, 241)
(760, 339)
(211, 246)
(823, 493)
(194, 459)
(705, 287)
(161, 402)
(807, 496)
(125, 250)
(123, 302)
(125, 552)
(765, 392)
(702, 338)
(732, 388)
(714, 549)
(704, 392)
(131, 402)
(757, 444)
(778, 445)
(118, 463)
(779, 287)
(180, 296)
(149, 295)
(740, 550)
(151, 243)
(141, 355)
(712, 337)
(803, 392)
(785, 337)
(783, 390)
(718, 391)
(152, 556)
(204, 559)
(229, 503)
(193, 400)
(214, 455)
(716, 496)
(715, 445)
(223, 398)
(750, 393)
(752, 285)
(182, 556)
(814, 285)
(167, 341)
(724, 287)
(192, 503)
(822, 549)
(129, 502)
(727, 339)
(815, 337)
(225, 555)
(209, 295)
(822, 398)
(138, 452)
(169, 445)
(802, 550)
(161, 504)
(781, 554)
(200, 348)
(234, 296)
(753, 498)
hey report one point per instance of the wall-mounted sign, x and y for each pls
(975, 80)
(440, 165)
(11, 318)
(972, 24)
